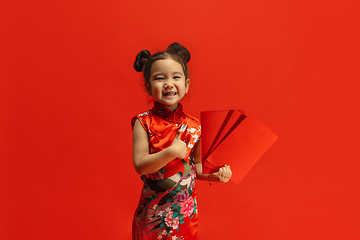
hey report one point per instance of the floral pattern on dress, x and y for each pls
(194, 137)
(172, 206)
(168, 207)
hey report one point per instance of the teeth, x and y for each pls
(169, 94)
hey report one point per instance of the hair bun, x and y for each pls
(177, 48)
(141, 59)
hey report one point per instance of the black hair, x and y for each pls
(175, 51)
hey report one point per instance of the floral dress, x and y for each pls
(168, 208)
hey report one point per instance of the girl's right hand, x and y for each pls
(179, 148)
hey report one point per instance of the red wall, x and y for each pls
(68, 92)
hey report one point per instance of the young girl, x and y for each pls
(166, 150)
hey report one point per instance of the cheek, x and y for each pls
(183, 87)
(156, 90)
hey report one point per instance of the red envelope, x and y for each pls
(233, 138)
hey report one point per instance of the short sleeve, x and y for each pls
(133, 121)
(142, 119)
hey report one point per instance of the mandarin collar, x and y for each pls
(167, 114)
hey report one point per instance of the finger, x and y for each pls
(176, 138)
(225, 173)
(178, 134)
(222, 172)
(182, 128)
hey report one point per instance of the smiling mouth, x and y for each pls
(170, 94)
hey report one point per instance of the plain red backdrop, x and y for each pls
(68, 92)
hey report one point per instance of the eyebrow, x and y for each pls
(155, 74)
(159, 73)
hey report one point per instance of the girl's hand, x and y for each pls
(178, 146)
(224, 174)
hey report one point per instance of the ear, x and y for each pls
(187, 83)
(148, 88)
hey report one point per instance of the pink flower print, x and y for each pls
(163, 210)
(161, 213)
(153, 213)
(168, 209)
(172, 222)
(187, 207)
(181, 196)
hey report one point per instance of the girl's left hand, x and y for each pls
(224, 174)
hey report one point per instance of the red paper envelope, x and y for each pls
(233, 138)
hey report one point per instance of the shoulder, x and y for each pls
(144, 114)
(193, 120)
(142, 117)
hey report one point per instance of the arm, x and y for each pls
(222, 175)
(144, 162)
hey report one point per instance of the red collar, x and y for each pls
(167, 114)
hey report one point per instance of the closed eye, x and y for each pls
(159, 78)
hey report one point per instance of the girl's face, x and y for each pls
(167, 82)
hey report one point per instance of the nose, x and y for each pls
(169, 84)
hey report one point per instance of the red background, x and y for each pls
(68, 92)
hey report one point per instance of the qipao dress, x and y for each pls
(168, 207)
